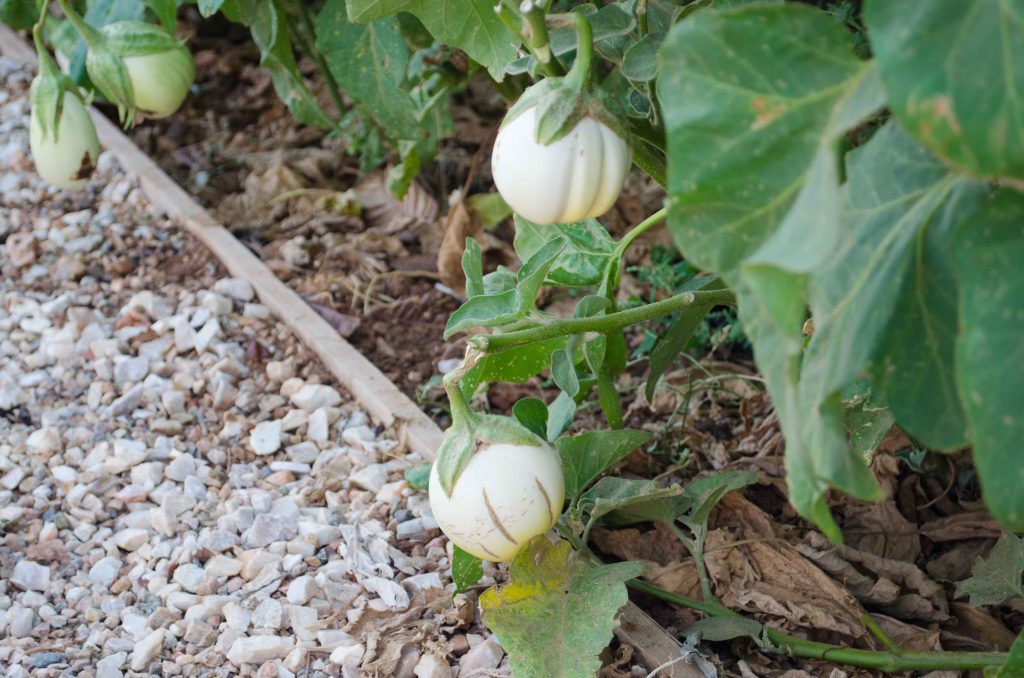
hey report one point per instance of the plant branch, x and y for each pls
(493, 343)
(88, 33)
(519, 25)
(650, 159)
(535, 35)
(639, 230)
(696, 548)
(321, 64)
(889, 661)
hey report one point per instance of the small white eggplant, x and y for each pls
(507, 494)
(575, 177)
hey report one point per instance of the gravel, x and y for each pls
(182, 489)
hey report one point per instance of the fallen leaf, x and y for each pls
(460, 223)
(895, 587)
(881, 529)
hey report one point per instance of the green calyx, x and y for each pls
(109, 46)
(49, 87)
(562, 102)
(470, 430)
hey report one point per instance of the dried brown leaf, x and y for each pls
(978, 624)
(908, 636)
(972, 525)
(657, 545)
(882, 530)
(382, 212)
(460, 223)
(895, 587)
(771, 578)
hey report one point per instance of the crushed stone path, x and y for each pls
(182, 489)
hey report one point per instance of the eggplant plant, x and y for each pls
(856, 194)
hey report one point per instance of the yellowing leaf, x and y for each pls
(558, 610)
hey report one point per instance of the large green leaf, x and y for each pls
(585, 257)
(369, 61)
(1014, 664)
(470, 25)
(989, 253)
(268, 26)
(19, 14)
(586, 456)
(557, 612)
(750, 96)
(755, 100)
(954, 73)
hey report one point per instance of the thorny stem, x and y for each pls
(493, 343)
(318, 58)
(461, 411)
(889, 661)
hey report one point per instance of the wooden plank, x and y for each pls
(367, 384)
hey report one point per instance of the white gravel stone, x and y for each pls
(265, 437)
(430, 666)
(131, 539)
(236, 288)
(111, 665)
(372, 477)
(312, 397)
(268, 615)
(223, 566)
(486, 656)
(259, 649)
(147, 649)
(190, 577)
(301, 590)
(105, 571)
(31, 576)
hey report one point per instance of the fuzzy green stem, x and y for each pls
(579, 74)
(321, 64)
(888, 661)
(88, 33)
(639, 230)
(461, 411)
(696, 549)
(46, 63)
(493, 343)
(536, 37)
(519, 26)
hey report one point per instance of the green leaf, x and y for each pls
(563, 372)
(584, 259)
(996, 577)
(586, 456)
(557, 612)
(615, 494)
(166, 11)
(515, 365)
(466, 569)
(491, 207)
(533, 414)
(1013, 667)
(418, 477)
(988, 253)
(902, 204)
(640, 62)
(208, 8)
(867, 420)
(473, 268)
(560, 415)
(484, 310)
(369, 62)
(706, 492)
(535, 269)
(19, 14)
(470, 25)
(954, 75)
(672, 341)
(750, 96)
(264, 19)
